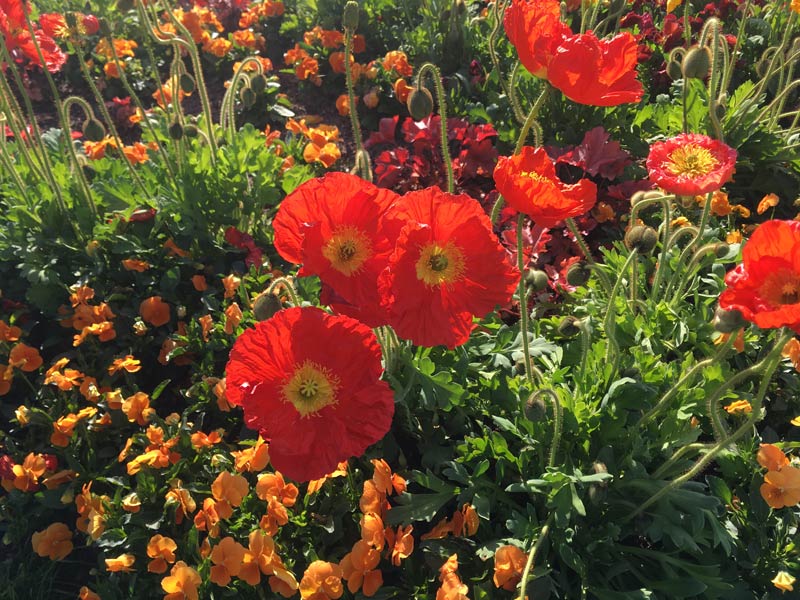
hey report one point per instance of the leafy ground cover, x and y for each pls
(439, 299)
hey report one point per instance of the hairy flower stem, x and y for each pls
(587, 254)
(285, 283)
(351, 96)
(436, 76)
(16, 118)
(558, 425)
(687, 378)
(765, 368)
(691, 269)
(609, 322)
(508, 89)
(683, 450)
(526, 574)
(523, 295)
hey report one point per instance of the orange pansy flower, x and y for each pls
(132, 264)
(182, 583)
(227, 557)
(359, 569)
(509, 562)
(24, 357)
(162, 550)
(771, 457)
(127, 363)
(55, 542)
(155, 311)
(230, 488)
(781, 488)
(322, 581)
(123, 563)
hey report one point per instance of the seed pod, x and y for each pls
(258, 83)
(419, 103)
(570, 326)
(93, 130)
(350, 15)
(578, 274)
(186, 82)
(642, 238)
(536, 280)
(265, 306)
(176, 130)
(696, 63)
(727, 321)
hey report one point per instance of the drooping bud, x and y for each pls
(258, 83)
(641, 237)
(247, 96)
(578, 274)
(265, 306)
(93, 130)
(728, 321)
(696, 63)
(674, 61)
(419, 103)
(721, 250)
(103, 27)
(187, 84)
(176, 130)
(190, 130)
(350, 15)
(536, 407)
(536, 280)
(570, 326)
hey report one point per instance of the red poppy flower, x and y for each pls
(18, 38)
(765, 288)
(342, 229)
(691, 164)
(447, 268)
(310, 382)
(529, 183)
(586, 69)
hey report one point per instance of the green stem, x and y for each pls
(523, 301)
(351, 96)
(609, 323)
(677, 456)
(526, 573)
(661, 266)
(436, 76)
(587, 254)
(285, 283)
(530, 120)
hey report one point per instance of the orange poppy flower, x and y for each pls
(182, 582)
(529, 184)
(781, 488)
(162, 550)
(227, 557)
(123, 563)
(509, 562)
(315, 406)
(765, 287)
(55, 542)
(690, 164)
(155, 311)
(447, 267)
(322, 581)
(25, 357)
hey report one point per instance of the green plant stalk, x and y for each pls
(351, 98)
(777, 57)
(767, 368)
(523, 303)
(728, 74)
(678, 455)
(661, 264)
(558, 425)
(609, 324)
(526, 573)
(9, 166)
(586, 342)
(497, 8)
(587, 254)
(110, 123)
(436, 76)
(778, 102)
(691, 270)
(685, 379)
(679, 281)
(227, 111)
(285, 283)
(16, 120)
(140, 107)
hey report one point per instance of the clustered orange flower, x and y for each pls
(91, 510)
(509, 563)
(158, 454)
(279, 496)
(55, 542)
(322, 140)
(452, 587)
(464, 523)
(305, 66)
(123, 49)
(781, 485)
(258, 11)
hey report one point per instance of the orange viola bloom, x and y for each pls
(529, 184)
(316, 484)
(322, 581)
(162, 550)
(272, 486)
(781, 488)
(771, 457)
(401, 90)
(253, 459)
(359, 569)
(173, 250)
(372, 530)
(233, 316)
(9, 333)
(25, 358)
(452, 587)
(398, 62)
(155, 311)
(227, 557)
(182, 583)
(231, 283)
(199, 282)
(509, 562)
(739, 407)
(766, 203)
(206, 325)
(343, 105)
(26, 475)
(123, 563)
(200, 440)
(230, 488)
(127, 363)
(132, 264)
(137, 408)
(86, 594)
(400, 543)
(55, 542)
(185, 504)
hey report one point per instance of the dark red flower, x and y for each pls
(529, 183)
(447, 268)
(342, 229)
(765, 287)
(691, 164)
(310, 382)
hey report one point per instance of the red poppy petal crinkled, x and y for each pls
(535, 29)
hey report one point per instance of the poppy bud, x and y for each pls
(578, 274)
(536, 280)
(187, 84)
(265, 306)
(350, 16)
(535, 407)
(721, 250)
(419, 103)
(247, 96)
(632, 372)
(124, 5)
(258, 83)
(696, 63)
(570, 326)
(642, 195)
(674, 61)
(727, 321)
(190, 130)
(642, 238)
(598, 491)
(176, 130)
(103, 27)
(93, 130)
(71, 19)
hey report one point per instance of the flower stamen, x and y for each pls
(311, 388)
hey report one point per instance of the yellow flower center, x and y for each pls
(781, 287)
(533, 175)
(347, 249)
(440, 264)
(691, 161)
(311, 388)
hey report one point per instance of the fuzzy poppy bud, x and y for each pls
(570, 326)
(721, 250)
(190, 130)
(247, 96)
(674, 61)
(696, 63)
(103, 27)
(597, 491)
(419, 103)
(578, 274)
(727, 321)
(642, 238)
(124, 5)
(265, 306)
(93, 130)
(350, 16)
(187, 84)
(258, 83)
(535, 408)
(176, 130)
(536, 280)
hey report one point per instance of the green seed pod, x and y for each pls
(578, 274)
(350, 16)
(258, 83)
(419, 103)
(536, 280)
(190, 130)
(265, 306)
(728, 321)
(696, 63)
(93, 130)
(187, 84)
(642, 238)
(176, 130)
(247, 96)
(569, 326)
(536, 408)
